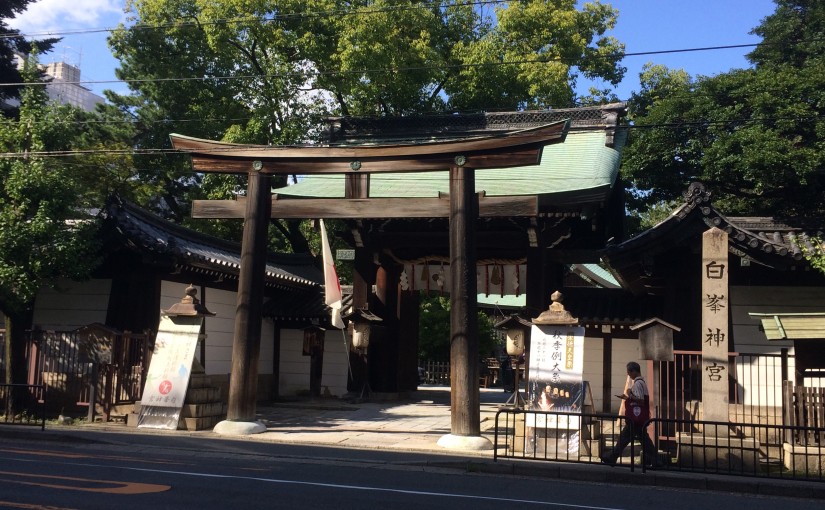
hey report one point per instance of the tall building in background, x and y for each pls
(64, 87)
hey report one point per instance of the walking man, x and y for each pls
(637, 413)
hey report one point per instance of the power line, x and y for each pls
(359, 72)
(339, 12)
(690, 95)
(219, 150)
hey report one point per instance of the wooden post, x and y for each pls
(788, 410)
(384, 352)
(653, 383)
(246, 344)
(465, 415)
(607, 368)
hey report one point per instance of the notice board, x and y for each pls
(168, 377)
(555, 366)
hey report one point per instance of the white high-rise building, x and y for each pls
(65, 86)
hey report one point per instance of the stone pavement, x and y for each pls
(410, 424)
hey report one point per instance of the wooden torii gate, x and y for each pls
(462, 157)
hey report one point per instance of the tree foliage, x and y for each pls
(268, 71)
(434, 330)
(44, 233)
(814, 252)
(753, 136)
(12, 42)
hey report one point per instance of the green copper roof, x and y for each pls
(506, 301)
(582, 162)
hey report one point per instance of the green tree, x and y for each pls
(11, 42)
(434, 329)
(814, 252)
(44, 233)
(753, 136)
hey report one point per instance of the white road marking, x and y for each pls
(363, 488)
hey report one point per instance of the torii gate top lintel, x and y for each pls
(515, 148)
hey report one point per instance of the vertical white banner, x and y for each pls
(168, 376)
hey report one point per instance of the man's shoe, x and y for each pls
(611, 463)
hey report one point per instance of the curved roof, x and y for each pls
(583, 162)
(751, 234)
(762, 241)
(148, 232)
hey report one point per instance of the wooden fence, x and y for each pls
(436, 372)
(806, 409)
(80, 368)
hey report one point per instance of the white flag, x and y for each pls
(332, 288)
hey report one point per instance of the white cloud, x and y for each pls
(58, 16)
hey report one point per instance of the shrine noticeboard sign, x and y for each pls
(168, 377)
(555, 365)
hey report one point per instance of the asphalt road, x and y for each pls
(158, 472)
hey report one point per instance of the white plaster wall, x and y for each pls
(592, 370)
(624, 350)
(754, 385)
(336, 361)
(81, 303)
(294, 367)
(74, 305)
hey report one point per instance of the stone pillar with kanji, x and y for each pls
(715, 327)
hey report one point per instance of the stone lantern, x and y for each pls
(190, 306)
(556, 313)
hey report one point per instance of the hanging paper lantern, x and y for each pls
(515, 341)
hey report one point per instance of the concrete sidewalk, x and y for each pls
(417, 423)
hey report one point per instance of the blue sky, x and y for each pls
(644, 26)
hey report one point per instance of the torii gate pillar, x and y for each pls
(243, 383)
(465, 414)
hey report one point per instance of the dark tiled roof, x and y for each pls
(298, 306)
(305, 307)
(594, 306)
(445, 126)
(754, 235)
(149, 233)
(765, 242)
